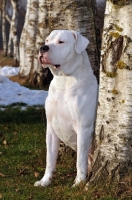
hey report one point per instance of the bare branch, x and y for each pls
(7, 18)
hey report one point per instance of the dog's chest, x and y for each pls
(59, 115)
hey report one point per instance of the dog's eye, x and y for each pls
(61, 42)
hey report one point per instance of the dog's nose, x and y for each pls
(44, 49)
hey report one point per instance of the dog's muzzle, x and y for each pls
(42, 59)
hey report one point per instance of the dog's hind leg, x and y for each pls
(52, 142)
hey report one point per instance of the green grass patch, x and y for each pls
(23, 156)
(23, 161)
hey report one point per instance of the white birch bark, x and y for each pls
(38, 74)
(13, 37)
(31, 36)
(3, 28)
(9, 51)
(14, 30)
(23, 39)
(113, 142)
(42, 32)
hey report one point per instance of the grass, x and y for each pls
(22, 160)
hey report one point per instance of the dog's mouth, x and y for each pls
(44, 62)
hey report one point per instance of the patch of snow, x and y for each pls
(12, 92)
(9, 71)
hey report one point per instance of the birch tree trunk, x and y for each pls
(77, 15)
(22, 46)
(3, 28)
(13, 36)
(113, 142)
(14, 30)
(31, 28)
(38, 75)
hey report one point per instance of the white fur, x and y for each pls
(71, 102)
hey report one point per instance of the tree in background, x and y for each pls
(28, 37)
(4, 39)
(9, 10)
(22, 45)
(13, 35)
(113, 133)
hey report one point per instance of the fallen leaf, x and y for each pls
(4, 142)
(2, 175)
(36, 174)
(0, 196)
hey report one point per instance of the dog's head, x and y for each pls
(61, 47)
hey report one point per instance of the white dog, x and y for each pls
(71, 102)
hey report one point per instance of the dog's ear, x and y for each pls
(81, 42)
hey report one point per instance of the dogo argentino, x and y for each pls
(71, 102)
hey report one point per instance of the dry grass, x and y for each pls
(5, 60)
(18, 79)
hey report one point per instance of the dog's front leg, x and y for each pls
(52, 142)
(84, 139)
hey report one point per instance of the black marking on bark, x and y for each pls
(120, 2)
(108, 99)
(101, 134)
(115, 49)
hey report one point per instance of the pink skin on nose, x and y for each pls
(42, 57)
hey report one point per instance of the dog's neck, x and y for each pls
(65, 79)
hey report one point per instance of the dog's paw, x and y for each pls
(42, 183)
(82, 183)
(78, 182)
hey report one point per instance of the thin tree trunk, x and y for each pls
(22, 46)
(31, 36)
(113, 142)
(9, 52)
(3, 28)
(13, 37)
(14, 30)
